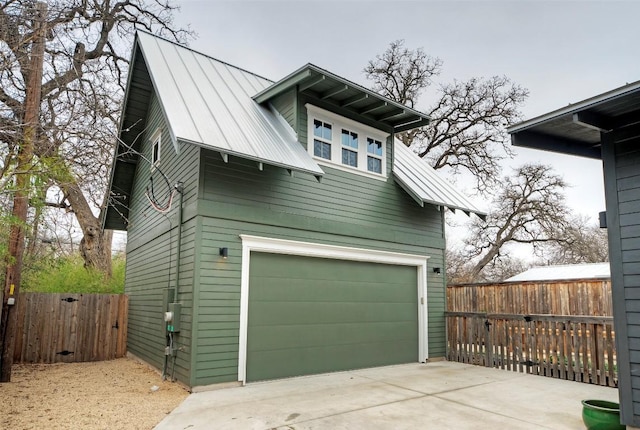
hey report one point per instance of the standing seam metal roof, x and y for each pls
(208, 103)
(421, 180)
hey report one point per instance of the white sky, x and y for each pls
(562, 51)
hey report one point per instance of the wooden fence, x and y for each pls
(575, 348)
(70, 327)
(574, 297)
(561, 329)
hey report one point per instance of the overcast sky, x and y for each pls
(562, 51)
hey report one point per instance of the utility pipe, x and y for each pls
(180, 190)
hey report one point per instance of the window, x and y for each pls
(349, 148)
(155, 148)
(345, 144)
(322, 139)
(374, 155)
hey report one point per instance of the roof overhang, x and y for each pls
(576, 129)
(423, 183)
(346, 95)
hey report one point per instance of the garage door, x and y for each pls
(311, 315)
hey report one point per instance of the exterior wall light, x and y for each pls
(224, 253)
(436, 270)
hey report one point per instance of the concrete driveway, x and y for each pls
(439, 395)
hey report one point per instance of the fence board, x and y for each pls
(561, 329)
(542, 298)
(67, 328)
(577, 348)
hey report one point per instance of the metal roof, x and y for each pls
(208, 103)
(212, 104)
(424, 184)
(576, 129)
(349, 96)
(564, 272)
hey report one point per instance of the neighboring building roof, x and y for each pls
(563, 272)
(208, 103)
(422, 182)
(575, 129)
(348, 96)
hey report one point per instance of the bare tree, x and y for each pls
(529, 208)
(85, 70)
(584, 242)
(402, 74)
(503, 268)
(469, 118)
(459, 268)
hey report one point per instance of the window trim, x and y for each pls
(310, 249)
(373, 154)
(338, 124)
(322, 139)
(347, 147)
(156, 138)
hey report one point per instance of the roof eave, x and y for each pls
(318, 173)
(103, 216)
(422, 200)
(575, 108)
(418, 119)
(283, 85)
(528, 138)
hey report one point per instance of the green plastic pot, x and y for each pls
(601, 415)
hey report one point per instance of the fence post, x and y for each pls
(488, 344)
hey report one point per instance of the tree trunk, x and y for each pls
(24, 167)
(488, 257)
(95, 246)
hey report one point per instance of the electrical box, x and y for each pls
(168, 296)
(173, 315)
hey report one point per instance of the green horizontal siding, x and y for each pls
(220, 280)
(340, 199)
(344, 209)
(152, 246)
(285, 106)
(224, 200)
(181, 167)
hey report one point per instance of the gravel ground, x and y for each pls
(112, 394)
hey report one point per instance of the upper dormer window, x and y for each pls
(374, 155)
(350, 148)
(345, 144)
(322, 139)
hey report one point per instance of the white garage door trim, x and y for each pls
(308, 249)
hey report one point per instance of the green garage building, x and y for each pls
(280, 222)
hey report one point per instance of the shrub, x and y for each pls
(68, 275)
